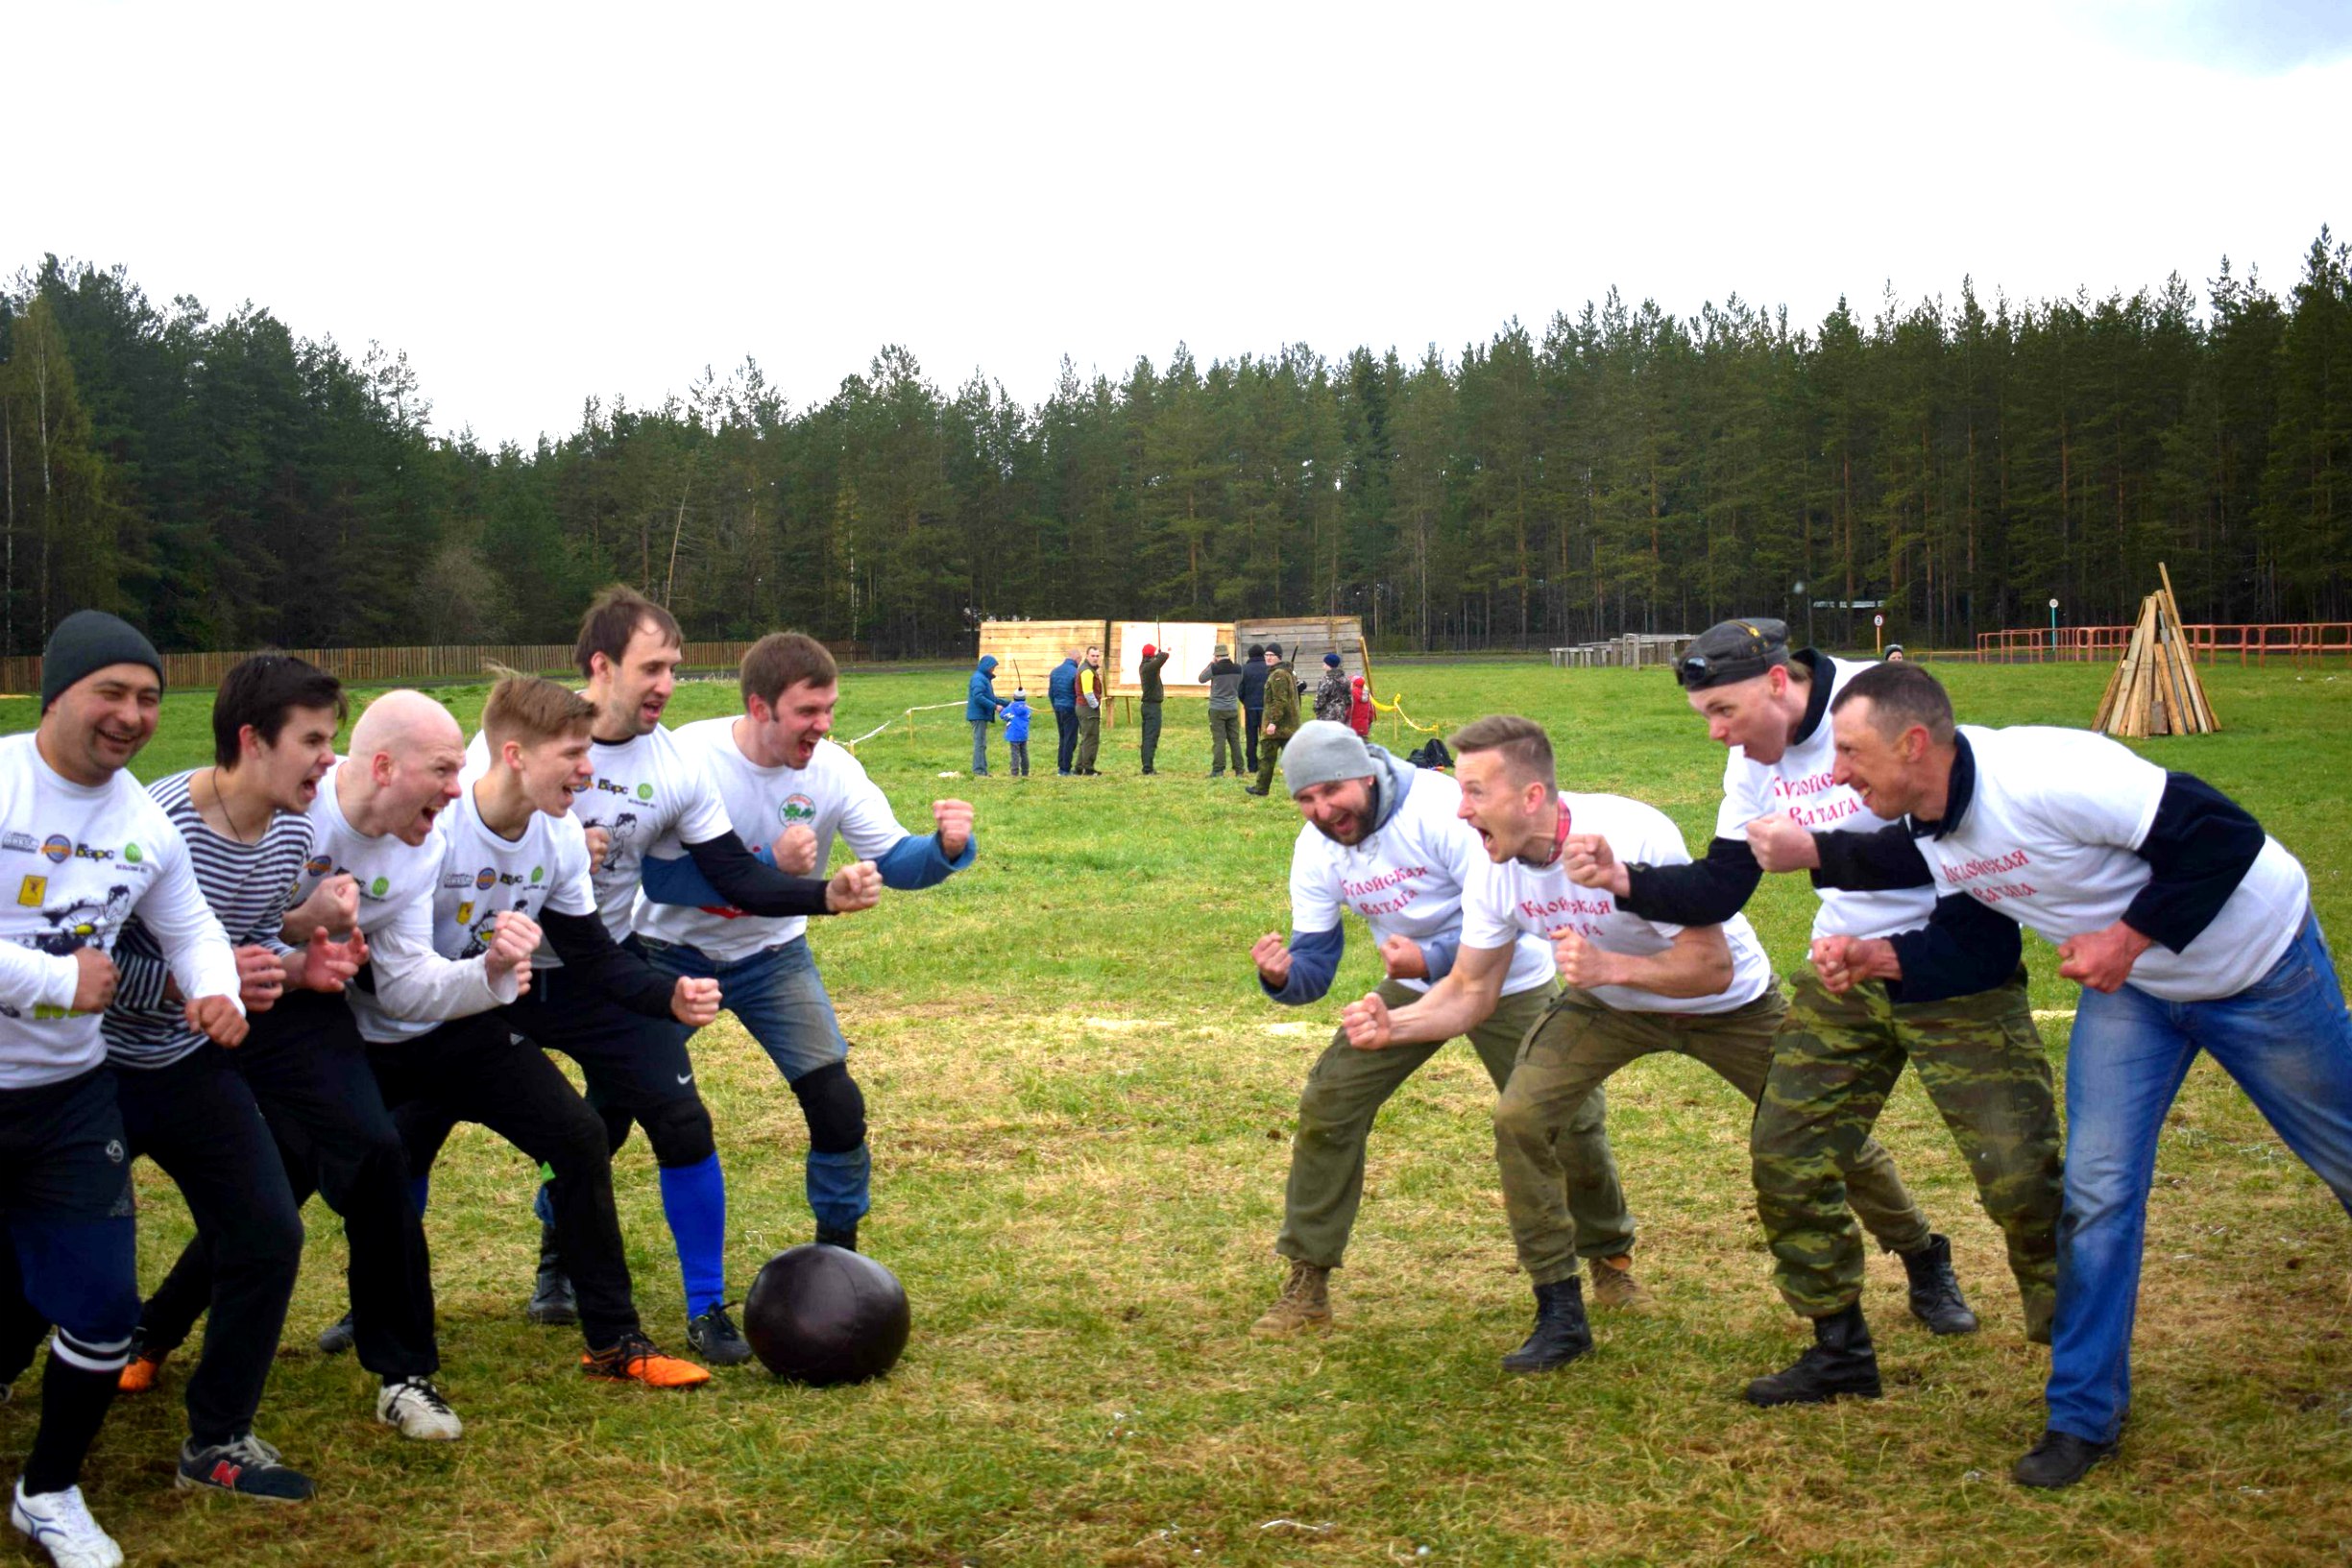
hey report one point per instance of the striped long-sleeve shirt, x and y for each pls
(246, 884)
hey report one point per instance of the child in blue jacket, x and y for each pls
(1016, 732)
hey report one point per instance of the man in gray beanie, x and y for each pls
(85, 642)
(1384, 838)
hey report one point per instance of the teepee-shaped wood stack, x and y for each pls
(2155, 689)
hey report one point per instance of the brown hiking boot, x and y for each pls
(1613, 1285)
(1304, 1304)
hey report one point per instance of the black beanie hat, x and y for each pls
(88, 642)
(1274, 648)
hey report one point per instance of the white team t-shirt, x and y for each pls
(1516, 898)
(480, 876)
(78, 860)
(1405, 879)
(832, 795)
(644, 790)
(1801, 783)
(2048, 838)
(391, 875)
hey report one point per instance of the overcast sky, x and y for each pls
(541, 203)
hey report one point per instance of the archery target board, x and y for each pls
(1191, 645)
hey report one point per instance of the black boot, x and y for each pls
(1560, 1334)
(846, 1237)
(1935, 1291)
(2060, 1459)
(551, 1299)
(1841, 1361)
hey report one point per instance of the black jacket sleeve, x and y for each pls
(587, 949)
(751, 884)
(1963, 948)
(2200, 847)
(1871, 862)
(1704, 893)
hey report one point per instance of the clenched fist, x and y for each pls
(854, 888)
(2102, 959)
(334, 906)
(1780, 844)
(1366, 1023)
(1404, 959)
(261, 977)
(1591, 862)
(1272, 956)
(1843, 962)
(693, 1003)
(1583, 964)
(95, 980)
(796, 850)
(218, 1018)
(599, 845)
(514, 938)
(954, 820)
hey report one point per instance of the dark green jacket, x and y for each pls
(1147, 672)
(1282, 701)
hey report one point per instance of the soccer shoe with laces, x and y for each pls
(415, 1406)
(60, 1524)
(337, 1337)
(716, 1340)
(638, 1360)
(244, 1465)
(2060, 1459)
(141, 1372)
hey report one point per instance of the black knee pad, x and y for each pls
(836, 1109)
(680, 1133)
(581, 1141)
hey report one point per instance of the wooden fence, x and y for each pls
(22, 675)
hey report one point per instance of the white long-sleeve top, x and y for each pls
(76, 862)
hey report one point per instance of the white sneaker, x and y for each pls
(416, 1407)
(60, 1524)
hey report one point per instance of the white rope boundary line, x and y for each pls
(926, 708)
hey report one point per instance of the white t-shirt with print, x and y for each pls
(481, 875)
(1405, 879)
(1801, 784)
(644, 790)
(1514, 897)
(832, 795)
(2049, 838)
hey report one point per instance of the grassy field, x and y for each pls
(1081, 1108)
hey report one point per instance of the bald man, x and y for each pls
(374, 857)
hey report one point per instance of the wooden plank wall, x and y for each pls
(1038, 645)
(1305, 640)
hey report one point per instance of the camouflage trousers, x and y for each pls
(1578, 1044)
(1345, 1091)
(1837, 1058)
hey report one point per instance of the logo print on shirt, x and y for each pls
(318, 865)
(645, 792)
(379, 886)
(32, 890)
(25, 842)
(132, 853)
(57, 847)
(486, 878)
(796, 807)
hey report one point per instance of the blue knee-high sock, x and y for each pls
(694, 1201)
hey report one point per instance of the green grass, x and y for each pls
(1081, 1109)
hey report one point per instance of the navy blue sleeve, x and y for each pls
(588, 951)
(1965, 948)
(1439, 953)
(747, 883)
(913, 863)
(1704, 893)
(1315, 958)
(1883, 861)
(2200, 847)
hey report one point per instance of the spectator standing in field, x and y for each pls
(1331, 691)
(1016, 732)
(1090, 695)
(1360, 711)
(1224, 679)
(1254, 671)
(1154, 694)
(980, 706)
(1061, 693)
(1281, 716)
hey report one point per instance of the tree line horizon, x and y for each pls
(226, 483)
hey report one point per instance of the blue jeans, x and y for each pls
(778, 996)
(979, 748)
(2285, 1041)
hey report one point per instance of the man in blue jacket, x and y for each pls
(1061, 691)
(980, 707)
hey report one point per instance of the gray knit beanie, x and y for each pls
(85, 642)
(1322, 752)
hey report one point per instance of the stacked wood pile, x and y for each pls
(2155, 689)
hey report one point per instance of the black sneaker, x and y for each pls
(244, 1465)
(337, 1337)
(716, 1340)
(2059, 1459)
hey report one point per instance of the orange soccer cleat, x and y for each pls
(142, 1372)
(639, 1359)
